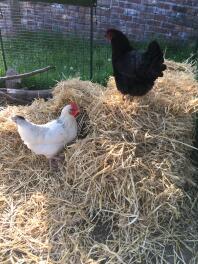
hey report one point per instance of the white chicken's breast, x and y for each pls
(50, 138)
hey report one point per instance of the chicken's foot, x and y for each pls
(127, 97)
(54, 162)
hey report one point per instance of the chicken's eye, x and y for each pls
(109, 35)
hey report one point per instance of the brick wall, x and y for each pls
(141, 19)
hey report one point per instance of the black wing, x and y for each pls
(129, 63)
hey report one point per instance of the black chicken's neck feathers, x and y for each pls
(120, 45)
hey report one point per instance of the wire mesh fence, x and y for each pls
(37, 34)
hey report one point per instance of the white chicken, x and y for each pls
(50, 138)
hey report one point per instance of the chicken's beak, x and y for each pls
(108, 36)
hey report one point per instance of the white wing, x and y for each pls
(50, 138)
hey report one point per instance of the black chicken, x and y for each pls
(135, 72)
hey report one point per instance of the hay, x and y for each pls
(118, 197)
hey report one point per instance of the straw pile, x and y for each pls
(119, 195)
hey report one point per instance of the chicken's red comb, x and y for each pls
(74, 106)
(74, 109)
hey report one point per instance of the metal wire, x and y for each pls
(37, 35)
(3, 52)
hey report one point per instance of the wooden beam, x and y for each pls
(27, 74)
(24, 96)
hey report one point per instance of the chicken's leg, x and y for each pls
(127, 97)
(54, 162)
(50, 164)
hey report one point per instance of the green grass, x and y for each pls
(70, 55)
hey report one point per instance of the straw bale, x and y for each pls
(118, 196)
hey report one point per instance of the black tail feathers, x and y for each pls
(154, 59)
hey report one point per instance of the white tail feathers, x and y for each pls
(18, 119)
